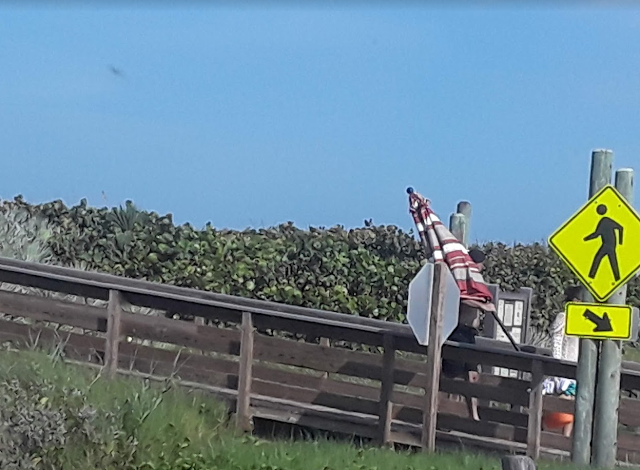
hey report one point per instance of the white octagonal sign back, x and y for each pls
(419, 310)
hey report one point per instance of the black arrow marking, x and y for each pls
(602, 323)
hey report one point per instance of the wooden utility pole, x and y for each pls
(607, 400)
(457, 227)
(459, 222)
(601, 165)
(464, 208)
(602, 325)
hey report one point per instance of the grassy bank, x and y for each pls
(67, 417)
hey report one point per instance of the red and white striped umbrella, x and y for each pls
(442, 246)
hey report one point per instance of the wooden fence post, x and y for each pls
(534, 423)
(243, 405)
(385, 414)
(326, 343)
(114, 310)
(434, 359)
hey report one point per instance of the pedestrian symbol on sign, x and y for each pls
(606, 231)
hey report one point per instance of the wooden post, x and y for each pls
(464, 208)
(114, 309)
(601, 164)
(534, 424)
(605, 439)
(326, 343)
(457, 226)
(434, 359)
(243, 405)
(386, 390)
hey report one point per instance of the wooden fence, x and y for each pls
(351, 375)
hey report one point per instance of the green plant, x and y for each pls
(38, 421)
(177, 455)
(23, 236)
(55, 416)
(125, 218)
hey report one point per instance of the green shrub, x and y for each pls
(39, 421)
(54, 416)
(24, 236)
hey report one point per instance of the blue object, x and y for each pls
(571, 390)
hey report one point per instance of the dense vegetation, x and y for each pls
(364, 271)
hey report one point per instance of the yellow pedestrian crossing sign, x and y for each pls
(598, 321)
(601, 243)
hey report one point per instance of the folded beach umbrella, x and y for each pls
(443, 247)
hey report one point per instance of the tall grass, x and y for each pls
(170, 428)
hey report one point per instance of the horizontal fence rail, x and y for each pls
(334, 372)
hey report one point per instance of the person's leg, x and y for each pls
(567, 430)
(454, 370)
(472, 402)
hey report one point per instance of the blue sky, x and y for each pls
(256, 116)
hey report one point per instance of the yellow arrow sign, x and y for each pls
(601, 243)
(599, 321)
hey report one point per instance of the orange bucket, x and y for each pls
(557, 420)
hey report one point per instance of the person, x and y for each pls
(465, 332)
(469, 324)
(478, 257)
(566, 348)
